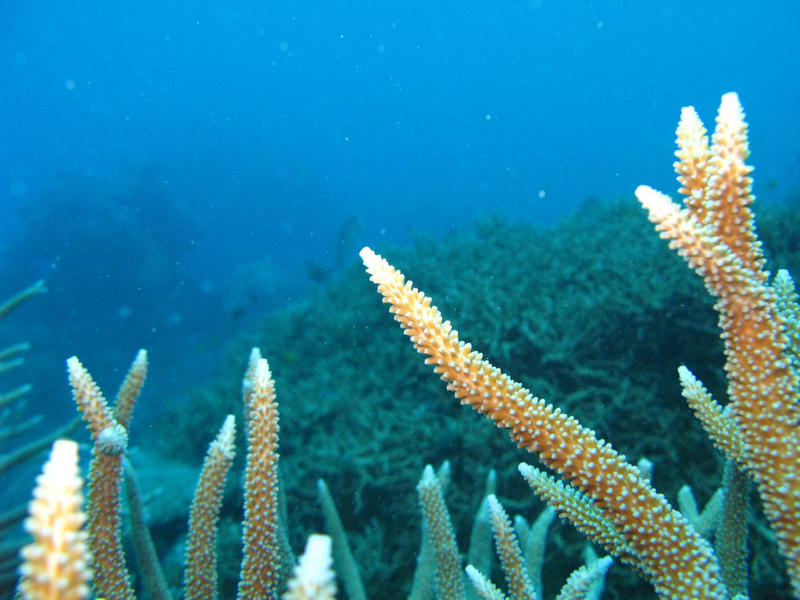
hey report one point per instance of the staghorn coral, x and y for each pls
(313, 577)
(638, 513)
(329, 417)
(715, 233)
(16, 425)
(57, 561)
(105, 478)
(370, 391)
(263, 559)
(260, 576)
(716, 236)
(200, 578)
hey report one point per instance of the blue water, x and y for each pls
(227, 134)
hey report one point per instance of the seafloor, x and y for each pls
(594, 314)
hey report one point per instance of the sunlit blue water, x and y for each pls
(246, 135)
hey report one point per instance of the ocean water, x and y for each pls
(177, 170)
(253, 133)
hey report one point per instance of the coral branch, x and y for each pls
(200, 577)
(676, 559)
(261, 562)
(130, 389)
(715, 233)
(105, 472)
(56, 563)
(314, 578)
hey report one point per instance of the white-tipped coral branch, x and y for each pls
(130, 389)
(517, 578)
(485, 589)
(718, 424)
(56, 562)
(314, 578)
(715, 233)
(260, 572)
(449, 583)
(111, 577)
(669, 551)
(200, 576)
(583, 582)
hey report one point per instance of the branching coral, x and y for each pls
(715, 234)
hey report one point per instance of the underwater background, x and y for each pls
(196, 179)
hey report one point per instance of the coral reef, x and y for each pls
(607, 498)
(596, 312)
(355, 401)
(604, 366)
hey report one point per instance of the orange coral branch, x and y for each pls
(110, 441)
(261, 561)
(715, 234)
(130, 389)
(56, 562)
(200, 576)
(678, 562)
